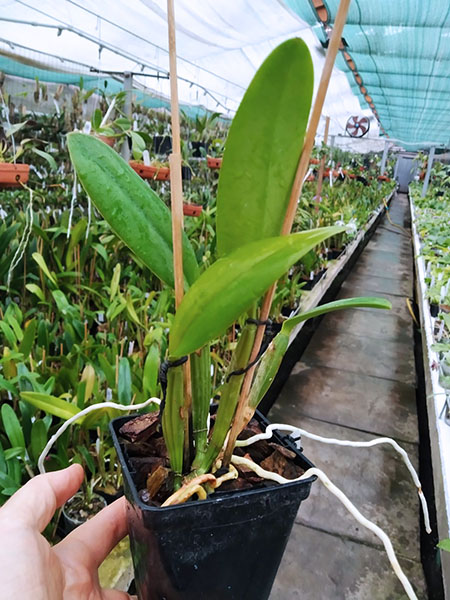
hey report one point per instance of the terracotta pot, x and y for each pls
(314, 161)
(108, 140)
(13, 175)
(192, 210)
(150, 172)
(383, 178)
(214, 163)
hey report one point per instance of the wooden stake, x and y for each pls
(243, 414)
(322, 166)
(176, 192)
(176, 184)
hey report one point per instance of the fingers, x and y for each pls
(95, 539)
(35, 503)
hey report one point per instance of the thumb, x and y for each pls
(36, 502)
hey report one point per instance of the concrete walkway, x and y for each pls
(356, 381)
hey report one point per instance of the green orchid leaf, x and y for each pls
(96, 119)
(444, 545)
(229, 287)
(43, 265)
(263, 148)
(51, 404)
(124, 391)
(364, 302)
(35, 289)
(12, 427)
(38, 438)
(46, 156)
(132, 209)
(26, 344)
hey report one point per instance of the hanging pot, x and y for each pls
(214, 163)
(192, 210)
(107, 139)
(12, 176)
(150, 172)
(227, 547)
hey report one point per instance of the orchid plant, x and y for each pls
(260, 162)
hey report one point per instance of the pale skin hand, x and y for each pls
(30, 569)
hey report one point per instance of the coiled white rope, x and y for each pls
(238, 460)
(83, 413)
(384, 440)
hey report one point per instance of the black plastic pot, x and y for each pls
(162, 144)
(186, 173)
(68, 524)
(227, 547)
(197, 149)
(434, 310)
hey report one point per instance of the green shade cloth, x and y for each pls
(402, 52)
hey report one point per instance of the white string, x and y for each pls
(6, 109)
(318, 438)
(82, 413)
(307, 174)
(89, 218)
(238, 460)
(18, 255)
(72, 203)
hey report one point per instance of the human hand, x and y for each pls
(31, 569)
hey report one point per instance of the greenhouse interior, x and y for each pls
(286, 435)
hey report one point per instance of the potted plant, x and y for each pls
(228, 545)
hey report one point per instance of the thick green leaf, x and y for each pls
(43, 265)
(444, 545)
(8, 333)
(7, 385)
(14, 453)
(151, 370)
(46, 156)
(15, 128)
(96, 119)
(88, 458)
(263, 148)
(28, 338)
(124, 391)
(7, 482)
(51, 404)
(228, 288)
(12, 427)
(35, 289)
(130, 206)
(364, 302)
(38, 438)
(114, 282)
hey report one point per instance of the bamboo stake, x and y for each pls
(176, 190)
(322, 166)
(243, 414)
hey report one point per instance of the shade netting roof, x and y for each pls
(397, 60)
(220, 44)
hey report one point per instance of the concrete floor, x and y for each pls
(356, 381)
